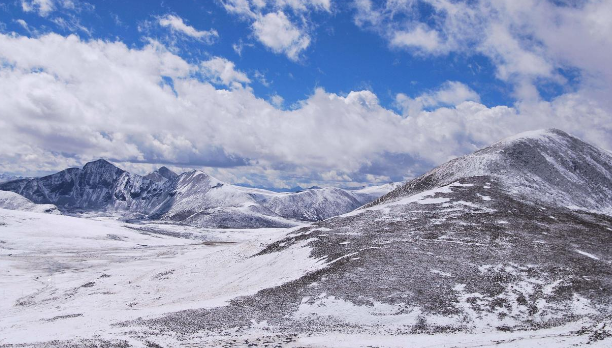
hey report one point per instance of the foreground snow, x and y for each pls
(64, 277)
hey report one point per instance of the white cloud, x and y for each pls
(221, 70)
(42, 7)
(23, 24)
(304, 5)
(276, 32)
(451, 93)
(66, 101)
(528, 41)
(420, 38)
(277, 100)
(176, 24)
(45, 7)
(283, 26)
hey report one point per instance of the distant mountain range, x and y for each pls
(517, 235)
(7, 178)
(194, 197)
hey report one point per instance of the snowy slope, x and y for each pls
(64, 277)
(202, 200)
(13, 201)
(310, 205)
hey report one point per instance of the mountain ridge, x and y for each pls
(192, 197)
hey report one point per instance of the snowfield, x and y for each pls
(65, 277)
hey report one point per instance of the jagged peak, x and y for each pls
(166, 173)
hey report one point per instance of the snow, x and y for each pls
(378, 314)
(14, 201)
(587, 254)
(438, 272)
(65, 277)
(539, 134)
(424, 197)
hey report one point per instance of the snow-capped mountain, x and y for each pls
(12, 201)
(98, 185)
(546, 166)
(317, 204)
(515, 236)
(193, 197)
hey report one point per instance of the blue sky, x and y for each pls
(279, 93)
(341, 58)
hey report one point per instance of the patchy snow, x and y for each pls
(425, 197)
(377, 314)
(483, 197)
(587, 254)
(438, 272)
(562, 336)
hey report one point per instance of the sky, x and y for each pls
(284, 93)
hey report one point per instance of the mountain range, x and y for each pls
(193, 197)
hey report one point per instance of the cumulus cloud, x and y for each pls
(280, 25)
(176, 24)
(78, 100)
(527, 41)
(420, 38)
(276, 32)
(222, 71)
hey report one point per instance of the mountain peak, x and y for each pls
(100, 163)
(166, 173)
(539, 135)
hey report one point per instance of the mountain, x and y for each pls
(194, 197)
(547, 166)
(515, 236)
(99, 185)
(317, 203)
(13, 201)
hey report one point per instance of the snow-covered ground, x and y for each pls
(67, 278)
(13, 201)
